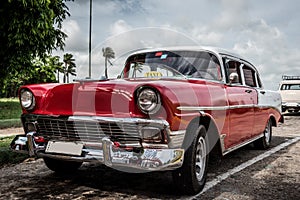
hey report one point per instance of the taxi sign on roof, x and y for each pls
(284, 77)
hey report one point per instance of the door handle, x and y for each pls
(262, 92)
(248, 91)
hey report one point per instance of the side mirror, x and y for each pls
(234, 78)
(103, 78)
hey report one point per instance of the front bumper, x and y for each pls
(290, 106)
(108, 153)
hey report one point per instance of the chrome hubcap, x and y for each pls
(200, 158)
(268, 133)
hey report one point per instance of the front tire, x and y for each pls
(265, 141)
(61, 166)
(190, 178)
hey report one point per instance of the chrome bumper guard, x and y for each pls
(147, 159)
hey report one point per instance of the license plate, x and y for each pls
(70, 148)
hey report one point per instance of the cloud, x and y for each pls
(119, 27)
(266, 45)
(76, 40)
(262, 33)
(233, 14)
(206, 36)
(130, 6)
(124, 40)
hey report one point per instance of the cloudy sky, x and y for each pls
(265, 32)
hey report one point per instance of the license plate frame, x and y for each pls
(69, 148)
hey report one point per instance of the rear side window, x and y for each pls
(290, 87)
(249, 75)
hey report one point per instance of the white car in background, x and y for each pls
(290, 93)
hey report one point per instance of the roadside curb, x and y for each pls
(10, 132)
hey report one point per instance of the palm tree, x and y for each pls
(137, 67)
(108, 54)
(69, 67)
(58, 66)
(71, 71)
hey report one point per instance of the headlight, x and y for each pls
(27, 99)
(148, 101)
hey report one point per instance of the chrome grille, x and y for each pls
(86, 130)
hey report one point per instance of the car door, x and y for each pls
(241, 100)
(264, 99)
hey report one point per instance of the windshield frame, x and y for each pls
(186, 58)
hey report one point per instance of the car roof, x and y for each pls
(215, 50)
(290, 82)
(290, 79)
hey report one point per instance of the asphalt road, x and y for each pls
(276, 175)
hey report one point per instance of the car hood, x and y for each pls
(116, 97)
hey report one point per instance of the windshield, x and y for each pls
(184, 64)
(290, 87)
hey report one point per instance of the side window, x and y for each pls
(249, 76)
(207, 66)
(214, 68)
(295, 87)
(290, 87)
(233, 71)
(259, 82)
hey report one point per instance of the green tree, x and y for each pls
(41, 70)
(69, 68)
(29, 29)
(108, 54)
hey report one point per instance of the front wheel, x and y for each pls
(264, 142)
(190, 178)
(61, 166)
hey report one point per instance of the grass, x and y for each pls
(6, 155)
(10, 112)
(10, 108)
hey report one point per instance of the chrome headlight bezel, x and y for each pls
(148, 100)
(27, 99)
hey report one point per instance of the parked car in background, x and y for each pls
(170, 109)
(289, 89)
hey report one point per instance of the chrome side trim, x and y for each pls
(204, 108)
(201, 108)
(196, 108)
(242, 144)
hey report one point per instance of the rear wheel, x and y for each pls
(190, 178)
(264, 142)
(61, 166)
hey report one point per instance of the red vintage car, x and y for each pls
(170, 109)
